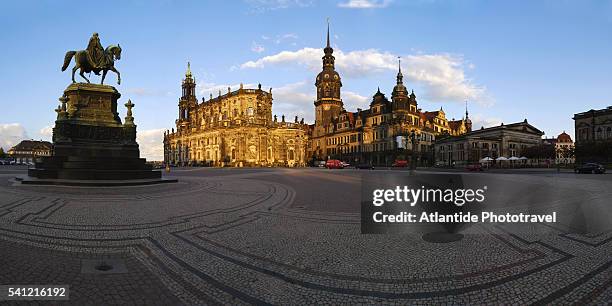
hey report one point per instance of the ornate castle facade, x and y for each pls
(370, 135)
(233, 129)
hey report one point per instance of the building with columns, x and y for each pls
(593, 137)
(233, 129)
(593, 125)
(371, 135)
(505, 140)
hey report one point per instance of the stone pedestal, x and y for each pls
(90, 142)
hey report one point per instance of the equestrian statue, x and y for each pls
(94, 59)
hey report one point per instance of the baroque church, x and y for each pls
(233, 129)
(371, 135)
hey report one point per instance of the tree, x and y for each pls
(543, 151)
(595, 151)
(2, 154)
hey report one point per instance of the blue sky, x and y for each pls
(540, 60)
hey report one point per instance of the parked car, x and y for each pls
(440, 164)
(345, 164)
(319, 163)
(474, 167)
(400, 163)
(334, 164)
(364, 166)
(590, 168)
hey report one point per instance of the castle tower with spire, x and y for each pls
(399, 96)
(328, 104)
(468, 122)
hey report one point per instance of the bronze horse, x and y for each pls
(81, 60)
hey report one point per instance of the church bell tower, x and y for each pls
(188, 101)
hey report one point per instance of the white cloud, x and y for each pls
(288, 36)
(309, 57)
(352, 101)
(364, 4)
(46, 132)
(147, 92)
(298, 99)
(205, 89)
(440, 76)
(260, 6)
(257, 48)
(479, 120)
(151, 144)
(443, 78)
(11, 134)
(293, 99)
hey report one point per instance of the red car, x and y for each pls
(474, 167)
(334, 164)
(400, 163)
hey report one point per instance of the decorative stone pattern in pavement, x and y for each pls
(242, 239)
(25, 264)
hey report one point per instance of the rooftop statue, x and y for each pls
(94, 59)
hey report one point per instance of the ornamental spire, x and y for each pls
(400, 76)
(328, 58)
(328, 49)
(399, 64)
(188, 72)
(328, 33)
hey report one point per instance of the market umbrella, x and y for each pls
(501, 158)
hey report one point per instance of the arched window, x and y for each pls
(599, 134)
(291, 157)
(609, 133)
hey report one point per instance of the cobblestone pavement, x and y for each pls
(292, 236)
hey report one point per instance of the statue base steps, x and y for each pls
(90, 143)
(28, 180)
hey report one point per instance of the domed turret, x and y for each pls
(399, 91)
(564, 137)
(379, 99)
(399, 96)
(468, 121)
